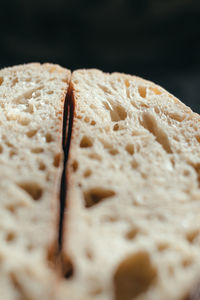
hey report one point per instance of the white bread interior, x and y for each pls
(132, 225)
(31, 114)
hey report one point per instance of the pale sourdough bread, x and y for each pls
(31, 109)
(132, 220)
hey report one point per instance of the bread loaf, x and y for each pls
(132, 225)
(31, 161)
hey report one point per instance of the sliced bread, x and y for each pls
(31, 118)
(132, 225)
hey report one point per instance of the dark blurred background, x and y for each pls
(156, 39)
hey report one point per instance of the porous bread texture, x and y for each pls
(132, 226)
(31, 109)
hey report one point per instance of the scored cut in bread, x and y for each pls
(132, 225)
(31, 118)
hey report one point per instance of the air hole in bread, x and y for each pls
(157, 110)
(106, 128)
(86, 142)
(32, 188)
(37, 94)
(95, 156)
(96, 291)
(114, 85)
(172, 161)
(179, 117)
(65, 80)
(13, 153)
(144, 105)
(37, 150)
(47, 177)
(95, 195)
(10, 236)
(113, 151)
(198, 138)
(1, 149)
(142, 91)
(155, 90)
(11, 208)
(162, 246)
(9, 144)
(68, 268)
(130, 149)
(48, 137)
(109, 146)
(116, 127)
(30, 247)
(93, 123)
(86, 120)
(53, 69)
(132, 233)
(1, 80)
(42, 166)
(30, 108)
(149, 122)
(186, 262)
(127, 83)
(176, 138)
(110, 219)
(56, 160)
(191, 236)
(16, 285)
(31, 133)
(92, 106)
(186, 173)
(89, 254)
(49, 92)
(22, 99)
(87, 173)
(144, 175)
(134, 104)
(117, 111)
(136, 133)
(104, 88)
(74, 166)
(134, 164)
(23, 121)
(14, 81)
(133, 276)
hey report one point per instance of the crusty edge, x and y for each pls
(49, 66)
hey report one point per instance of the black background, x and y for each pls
(158, 40)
